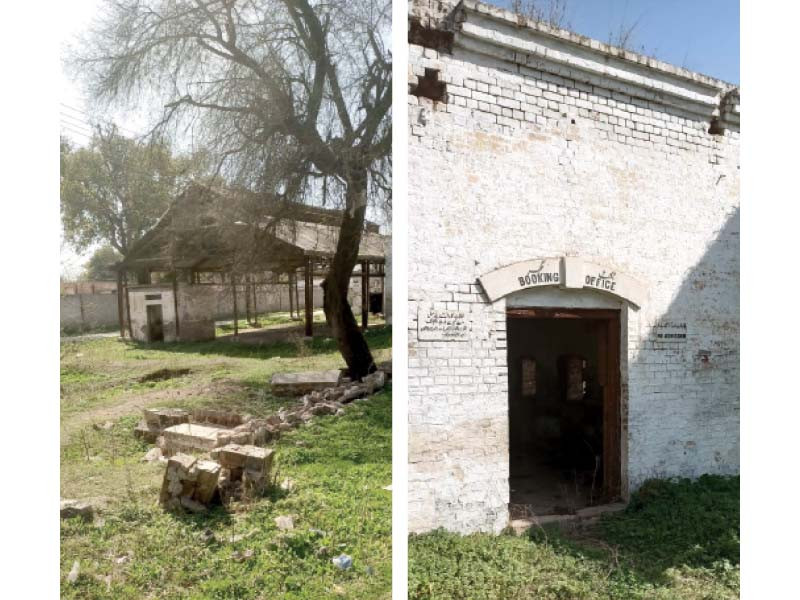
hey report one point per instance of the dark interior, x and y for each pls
(376, 302)
(555, 414)
(155, 323)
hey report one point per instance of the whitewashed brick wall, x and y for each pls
(523, 163)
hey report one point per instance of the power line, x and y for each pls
(87, 128)
(106, 121)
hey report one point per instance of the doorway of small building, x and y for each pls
(155, 323)
(564, 409)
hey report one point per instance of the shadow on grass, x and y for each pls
(220, 515)
(378, 338)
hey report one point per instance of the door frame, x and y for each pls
(610, 359)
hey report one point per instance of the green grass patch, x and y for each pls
(678, 539)
(266, 320)
(339, 466)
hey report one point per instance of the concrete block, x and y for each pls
(298, 384)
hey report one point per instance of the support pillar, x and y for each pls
(309, 297)
(255, 301)
(296, 295)
(128, 305)
(235, 308)
(175, 303)
(120, 309)
(248, 315)
(364, 294)
(291, 275)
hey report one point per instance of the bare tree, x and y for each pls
(294, 97)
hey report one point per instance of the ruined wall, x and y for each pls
(88, 311)
(547, 144)
(197, 305)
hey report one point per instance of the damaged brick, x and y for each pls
(428, 37)
(430, 87)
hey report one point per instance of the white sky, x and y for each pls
(74, 17)
(74, 120)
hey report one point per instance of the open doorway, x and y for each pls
(155, 323)
(564, 415)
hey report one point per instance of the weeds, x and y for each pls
(678, 539)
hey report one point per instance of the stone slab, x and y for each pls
(192, 436)
(298, 384)
(162, 418)
(237, 456)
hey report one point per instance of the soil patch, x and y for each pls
(164, 374)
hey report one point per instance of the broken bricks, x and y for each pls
(249, 464)
(189, 482)
(297, 384)
(157, 420)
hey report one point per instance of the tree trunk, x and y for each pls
(338, 313)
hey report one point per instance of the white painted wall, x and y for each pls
(542, 160)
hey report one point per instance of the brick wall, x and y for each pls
(553, 145)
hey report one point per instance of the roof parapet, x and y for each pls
(506, 36)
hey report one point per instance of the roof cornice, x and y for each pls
(526, 43)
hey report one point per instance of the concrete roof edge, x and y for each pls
(520, 34)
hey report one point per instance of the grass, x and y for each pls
(271, 319)
(339, 466)
(678, 539)
(281, 320)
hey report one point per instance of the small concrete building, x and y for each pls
(154, 309)
(573, 270)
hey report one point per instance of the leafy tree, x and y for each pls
(98, 268)
(114, 190)
(294, 96)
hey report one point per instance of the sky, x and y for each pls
(73, 18)
(700, 35)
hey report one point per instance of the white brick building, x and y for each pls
(573, 269)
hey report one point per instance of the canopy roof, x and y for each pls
(209, 229)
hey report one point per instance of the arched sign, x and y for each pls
(567, 273)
